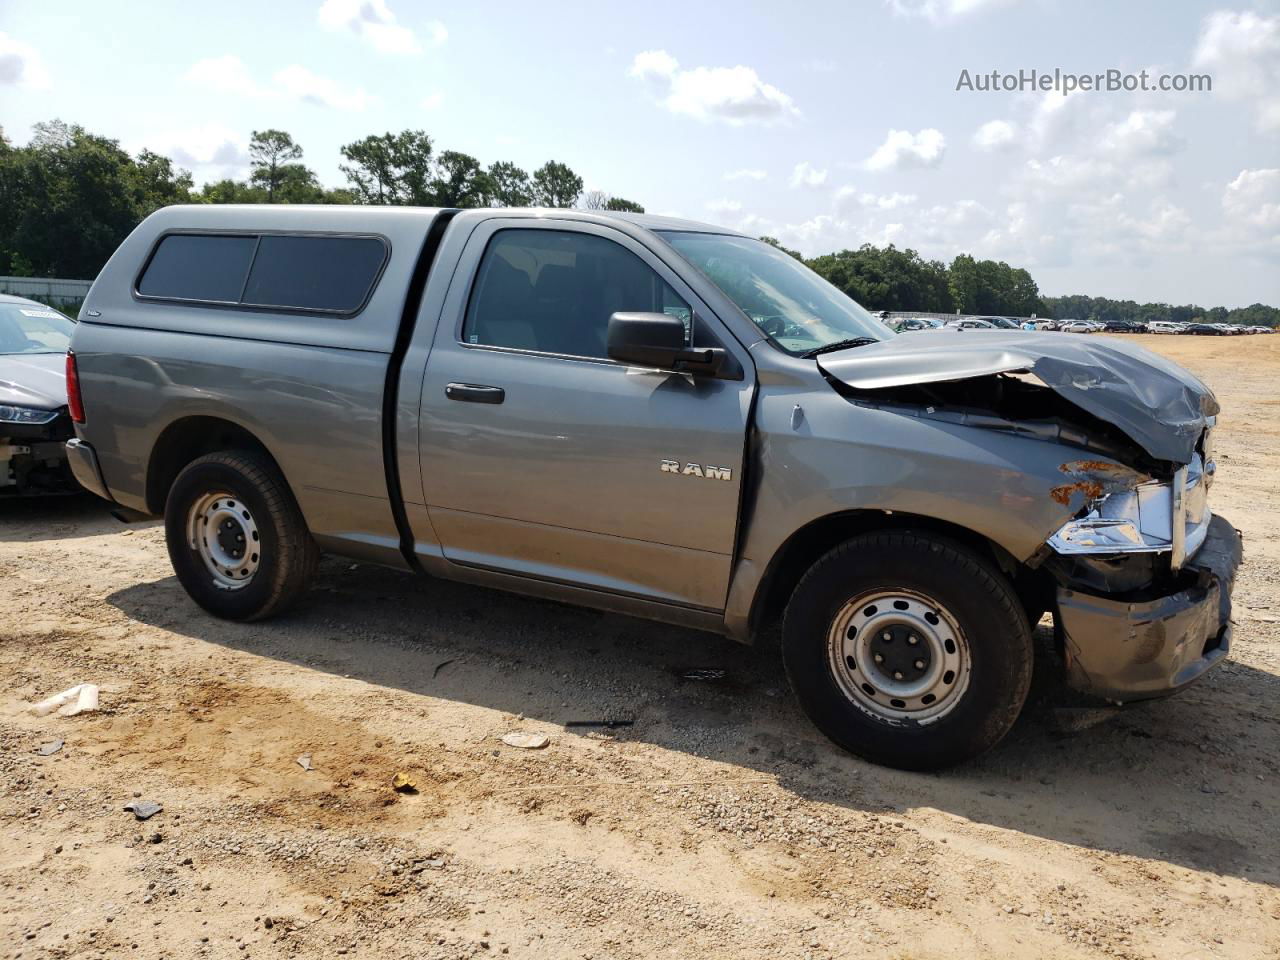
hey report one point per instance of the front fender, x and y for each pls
(817, 456)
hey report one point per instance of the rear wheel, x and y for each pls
(236, 538)
(908, 649)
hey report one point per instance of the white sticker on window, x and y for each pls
(43, 314)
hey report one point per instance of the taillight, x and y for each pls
(75, 403)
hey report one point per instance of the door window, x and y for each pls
(553, 291)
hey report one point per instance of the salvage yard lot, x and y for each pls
(720, 824)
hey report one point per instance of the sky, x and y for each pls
(824, 124)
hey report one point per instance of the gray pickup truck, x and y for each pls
(663, 419)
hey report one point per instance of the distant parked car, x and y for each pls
(1124, 326)
(1163, 326)
(1002, 323)
(918, 323)
(1077, 326)
(971, 323)
(1206, 330)
(34, 423)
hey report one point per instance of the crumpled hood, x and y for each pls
(34, 380)
(1158, 404)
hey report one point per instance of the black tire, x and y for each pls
(962, 585)
(287, 554)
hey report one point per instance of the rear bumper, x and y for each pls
(1135, 650)
(84, 465)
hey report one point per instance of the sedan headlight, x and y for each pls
(1153, 517)
(26, 415)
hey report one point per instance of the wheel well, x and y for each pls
(811, 541)
(183, 441)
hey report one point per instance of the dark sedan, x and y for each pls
(1124, 326)
(1206, 330)
(34, 423)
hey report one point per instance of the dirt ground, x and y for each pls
(720, 824)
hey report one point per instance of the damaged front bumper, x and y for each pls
(1132, 650)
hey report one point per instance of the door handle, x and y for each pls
(474, 393)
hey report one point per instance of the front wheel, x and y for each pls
(236, 538)
(908, 649)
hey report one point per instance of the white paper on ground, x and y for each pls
(81, 698)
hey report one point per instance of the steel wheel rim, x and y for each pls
(878, 667)
(222, 532)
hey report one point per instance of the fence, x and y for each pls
(60, 293)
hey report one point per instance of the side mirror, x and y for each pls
(657, 340)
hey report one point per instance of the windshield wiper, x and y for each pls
(838, 345)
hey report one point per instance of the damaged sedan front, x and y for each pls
(1139, 577)
(34, 422)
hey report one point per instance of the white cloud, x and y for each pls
(225, 74)
(849, 198)
(21, 65)
(745, 175)
(301, 84)
(724, 206)
(1143, 133)
(654, 64)
(942, 11)
(374, 21)
(890, 201)
(1242, 49)
(209, 150)
(807, 175)
(995, 135)
(903, 150)
(1251, 202)
(229, 75)
(735, 95)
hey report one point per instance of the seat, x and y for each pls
(501, 312)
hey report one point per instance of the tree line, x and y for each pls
(69, 197)
(886, 278)
(1103, 309)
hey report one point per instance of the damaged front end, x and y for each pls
(1139, 577)
(33, 459)
(1143, 576)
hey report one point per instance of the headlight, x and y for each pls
(11, 414)
(1153, 517)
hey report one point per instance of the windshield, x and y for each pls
(33, 328)
(792, 305)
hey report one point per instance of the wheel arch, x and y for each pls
(185, 440)
(806, 545)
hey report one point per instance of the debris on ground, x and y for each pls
(526, 741)
(304, 762)
(49, 749)
(403, 783)
(441, 665)
(703, 673)
(142, 809)
(82, 698)
(610, 723)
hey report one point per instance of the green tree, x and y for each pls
(69, 198)
(509, 186)
(886, 278)
(626, 206)
(459, 181)
(393, 168)
(555, 185)
(272, 156)
(773, 242)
